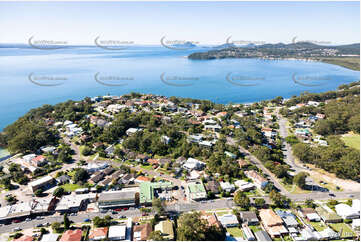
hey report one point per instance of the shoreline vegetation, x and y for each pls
(347, 56)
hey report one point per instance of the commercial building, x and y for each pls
(150, 190)
(43, 183)
(113, 199)
(74, 203)
(196, 191)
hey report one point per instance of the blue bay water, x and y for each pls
(139, 69)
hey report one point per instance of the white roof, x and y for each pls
(49, 237)
(313, 216)
(117, 231)
(344, 210)
(228, 219)
(40, 181)
(356, 205)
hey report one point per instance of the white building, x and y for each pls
(227, 187)
(117, 232)
(346, 212)
(49, 237)
(228, 220)
(193, 164)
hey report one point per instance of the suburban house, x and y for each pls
(166, 229)
(328, 216)
(117, 232)
(98, 233)
(71, 235)
(249, 217)
(346, 212)
(213, 186)
(257, 179)
(142, 232)
(228, 220)
(193, 164)
(310, 214)
(272, 223)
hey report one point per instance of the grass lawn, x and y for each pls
(235, 232)
(70, 187)
(352, 140)
(223, 213)
(346, 230)
(255, 228)
(318, 226)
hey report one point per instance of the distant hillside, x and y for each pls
(299, 50)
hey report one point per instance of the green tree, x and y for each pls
(242, 200)
(38, 192)
(259, 202)
(300, 179)
(66, 221)
(56, 227)
(192, 227)
(80, 175)
(156, 236)
(59, 192)
(158, 206)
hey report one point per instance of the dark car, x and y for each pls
(332, 195)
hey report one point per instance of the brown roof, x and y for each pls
(270, 218)
(242, 163)
(98, 232)
(24, 238)
(307, 211)
(144, 229)
(71, 235)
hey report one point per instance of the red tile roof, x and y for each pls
(98, 232)
(24, 238)
(71, 235)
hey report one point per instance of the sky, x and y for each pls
(200, 22)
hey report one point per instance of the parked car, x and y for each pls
(86, 220)
(16, 229)
(39, 225)
(16, 221)
(122, 216)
